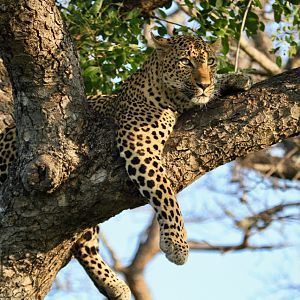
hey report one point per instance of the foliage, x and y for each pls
(109, 42)
(112, 45)
(287, 17)
(224, 19)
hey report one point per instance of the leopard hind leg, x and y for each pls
(86, 251)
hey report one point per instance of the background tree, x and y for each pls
(50, 197)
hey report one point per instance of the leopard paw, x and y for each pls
(118, 291)
(228, 83)
(176, 251)
(240, 81)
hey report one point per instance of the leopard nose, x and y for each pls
(202, 85)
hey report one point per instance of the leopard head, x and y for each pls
(187, 67)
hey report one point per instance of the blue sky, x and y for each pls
(210, 276)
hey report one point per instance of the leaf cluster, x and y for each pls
(112, 45)
(219, 19)
(109, 42)
(287, 34)
(229, 19)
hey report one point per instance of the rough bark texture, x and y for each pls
(69, 175)
(50, 113)
(229, 128)
(48, 91)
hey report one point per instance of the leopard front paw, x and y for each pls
(176, 250)
(240, 81)
(234, 82)
(118, 290)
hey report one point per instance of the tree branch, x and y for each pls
(286, 167)
(134, 273)
(203, 246)
(234, 126)
(148, 248)
(263, 60)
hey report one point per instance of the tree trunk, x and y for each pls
(69, 175)
(50, 114)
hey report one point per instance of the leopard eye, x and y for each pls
(186, 61)
(210, 61)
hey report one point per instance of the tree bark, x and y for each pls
(69, 175)
(50, 114)
(48, 90)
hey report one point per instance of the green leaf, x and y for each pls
(162, 30)
(261, 26)
(227, 69)
(112, 46)
(252, 23)
(296, 2)
(97, 6)
(91, 71)
(189, 3)
(258, 4)
(225, 44)
(277, 10)
(162, 13)
(279, 61)
(293, 49)
(168, 5)
(219, 3)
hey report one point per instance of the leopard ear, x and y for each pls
(160, 43)
(216, 45)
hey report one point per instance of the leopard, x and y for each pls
(181, 73)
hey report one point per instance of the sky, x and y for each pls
(233, 276)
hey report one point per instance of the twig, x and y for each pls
(266, 215)
(204, 246)
(241, 32)
(117, 265)
(170, 22)
(283, 160)
(263, 60)
(190, 12)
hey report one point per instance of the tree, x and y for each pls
(65, 179)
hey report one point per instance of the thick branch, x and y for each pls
(262, 59)
(233, 127)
